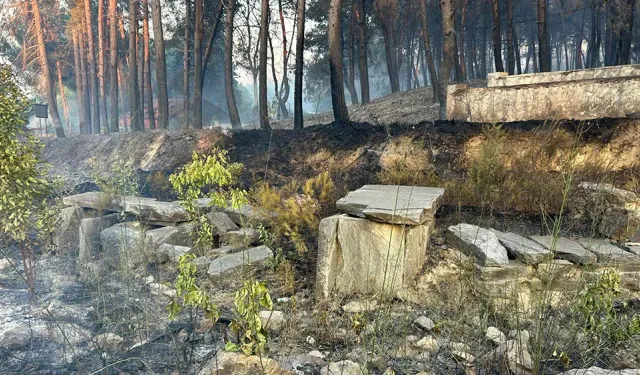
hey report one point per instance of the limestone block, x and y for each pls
(607, 252)
(522, 248)
(480, 242)
(171, 253)
(89, 235)
(124, 244)
(66, 235)
(178, 235)
(357, 255)
(221, 223)
(566, 249)
(237, 260)
(412, 205)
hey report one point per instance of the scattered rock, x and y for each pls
(428, 343)
(16, 338)
(607, 252)
(109, 342)
(124, 244)
(303, 363)
(230, 262)
(521, 336)
(317, 354)
(171, 253)
(179, 235)
(626, 358)
(424, 323)
(392, 204)
(599, 371)
(272, 320)
(480, 242)
(522, 248)
(459, 346)
(149, 209)
(343, 368)
(221, 223)
(69, 334)
(566, 249)
(516, 356)
(241, 237)
(407, 347)
(231, 363)
(495, 335)
(246, 215)
(360, 306)
(89, 235)
(158, 289)
(463, 357)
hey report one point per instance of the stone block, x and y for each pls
(357, 255)
(124, 244)
(479, 242)
(608, 253)
(566, 249)
(66, 235)
(237, 260)
(95, 200)
(178, 235)
(221, 223)
(89, 235)
(411, 205)
(241, 237)
(149, 209)
(522, 248)
(171, 253)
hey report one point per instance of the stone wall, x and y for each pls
(578, 95)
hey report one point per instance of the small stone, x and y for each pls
(16, 338)
(310, 340)
(109, 342)
(343, 368)
(158, 289)
(515, 355)
(149, 279)
(171, 253)
(495, 335)
(272, 320)
(360, 307)
(438, 240)
(521, 335)
(241, 237)
(424, 323)
(221, 223)
(283, 300)
(463, 356)
(428, 343)
(4, 263)
(479, 242)
(236, 260)
(317, 354)
(566, 249)
(459, 346)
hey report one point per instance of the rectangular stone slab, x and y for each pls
(233, 261)
(567, 249)
(522, 248)
(94, 200)
(479, 242)
(151, 209)
(607, 252)
(411, 205)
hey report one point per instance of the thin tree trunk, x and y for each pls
(85, 81)
(93, 74)
(285, 88)
(298, 116)
(79, 89)
(363, 64)
(63, 98)
(463, 66)
(448, 31)
(387, 10)
(544, 52)
(427, 50)
(161, 67)
(511, 63)
(113, 66)
(228, 67)
(141, 75)
(197, 64)
(264, 31)
(516, 47)
(351, 74)
(102, 63)
(134, 99)
(44, 68)
(626, 34)
(147, 65)
(497, 37)
(185, 64)
(212, 37)
(340, 111)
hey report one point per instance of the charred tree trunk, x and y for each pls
(351, 74)
(147, 65)
(298, 116)
(82, 126)
(185, 64)
(264, 31)
(363, 63)
(461, 44)
(44, 67)
(113, 66)
(427, 50)
(93, 74)
(102, 64)
(161, 67)
(340, 112)
(623, 55)
(387, 14)
(497, 37)
(85, 81)
(134, 100)
(198, 79)
(544, 50)
(228, 67)
(448, 31)
(63, 98)
(511, 63)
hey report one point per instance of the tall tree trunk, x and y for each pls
(63, 98)
(363, 63)
(85, 80)
(497, 37)
(427, 50)
(93, 74)
(102, 63)
(448, 31)
(212, 37)
(298, 116)
(147, 65)
(161, 67)
(625, 36)
(387, 10)
(340, 111)
(516, 48)
(79, 89)
(44, 68)
(544, 52)
(463, 66)
(197, 64)
(228, 67)
(134, 100)
(283, 97)
(351, 74)
(141, 74)
(264, 31)
(185, 64)
(511, 63)
(113, 66)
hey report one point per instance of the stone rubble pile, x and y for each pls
(379, 243)
(132, 231)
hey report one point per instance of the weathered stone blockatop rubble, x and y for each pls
(607, 252)
(479, 242)
(522, 248)
(565, 248)
(89, 235)
(243, 258)
(411, 205)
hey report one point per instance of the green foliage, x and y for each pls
(121, 180)
(25, 189)
(249, 300)
(605, 324)
(212, 176)
(189, 292)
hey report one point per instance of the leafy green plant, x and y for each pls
(249, 300)
(189, 292)
(121, 180)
